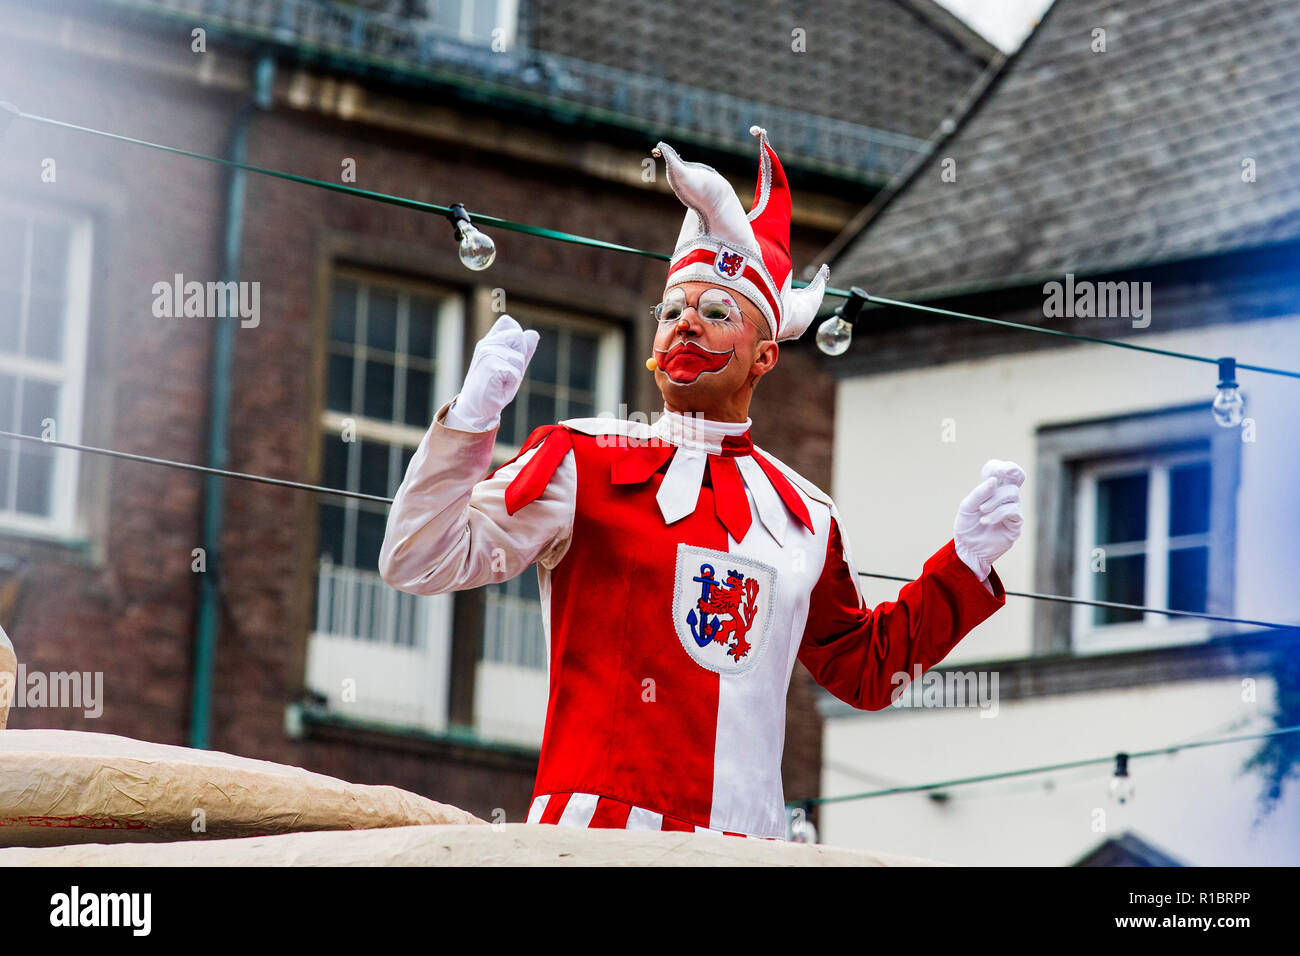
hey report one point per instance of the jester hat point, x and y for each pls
(749, 254)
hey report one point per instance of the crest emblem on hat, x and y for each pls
(722, 608)
(728, 262)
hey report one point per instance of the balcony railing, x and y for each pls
(380, 653)
(513, 632)
(512, 676)
(661, 107)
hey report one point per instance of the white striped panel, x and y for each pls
(747, 793)
(579, 810)
(642, 819)
(538, 808)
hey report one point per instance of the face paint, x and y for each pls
(687, 361)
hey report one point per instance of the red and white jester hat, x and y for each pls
(747, 254)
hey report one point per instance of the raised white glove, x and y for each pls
(989, 519)
(495, 373)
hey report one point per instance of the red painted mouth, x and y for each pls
(686, 361)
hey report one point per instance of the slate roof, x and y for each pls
(876, 79)
(1129, 849)
(896, 65)
(1085, 162)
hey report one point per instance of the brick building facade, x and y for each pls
(108, 581)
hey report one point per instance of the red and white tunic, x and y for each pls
(673, 617)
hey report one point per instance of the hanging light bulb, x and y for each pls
(1228, 403)
(477, 251)
(1121, 785)
(836, 333)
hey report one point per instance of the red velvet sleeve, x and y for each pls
(855, 651)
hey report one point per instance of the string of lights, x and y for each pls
(186, 466)
(1121, 783)
(1107, 604)
(478, 252)
(380, 499)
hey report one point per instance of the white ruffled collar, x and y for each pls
(696, 432)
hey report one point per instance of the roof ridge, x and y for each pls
(974, 98)
(948, 24)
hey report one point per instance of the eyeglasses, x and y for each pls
(713, 305)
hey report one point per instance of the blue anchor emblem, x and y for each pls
(706, 581)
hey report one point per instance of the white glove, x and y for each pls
(989, 520)
(495, 373)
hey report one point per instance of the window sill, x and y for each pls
(1072, 673)
(1139, 636)
(457, 744)
(46, 544)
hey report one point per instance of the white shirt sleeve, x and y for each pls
(448, 529)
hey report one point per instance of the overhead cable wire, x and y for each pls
(1109, 604)
(569, 237)
(380, 499)
(1045, 768)
(186, 466)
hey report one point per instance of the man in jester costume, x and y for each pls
(683, 569)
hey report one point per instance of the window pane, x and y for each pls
(1123, 581)
(529, 586)
(508, 432)
(374, 468)
(13, 243)
(11, 318)
(484, 18)
(40, 401)
(1122, 508)
(1188, 577)
(582, 362)
(379, 391)
(7, 457)
(49, 258)
(446, 14)
(370, 537)
(339, 390)
(1189, 499)
(343, 312)
(381, 321)
(422, 330)
(8, 403)
(543, 366)
(419, 398)
(334, 460)
(331, 532)
(45, 327)
(407, 454)
(541, 410)
(580, 409)
(35, 474)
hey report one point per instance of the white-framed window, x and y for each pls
(1143, 536)
(393, 357)
(576, 372)
(44, 316)
(472, 21)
